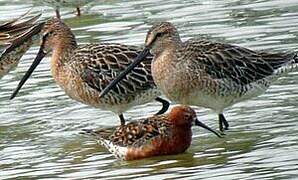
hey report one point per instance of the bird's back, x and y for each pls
(219, 75)
(98, 64)
(234, 63)
(135, 136)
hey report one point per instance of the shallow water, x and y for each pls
(39, 129)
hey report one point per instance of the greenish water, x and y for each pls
(39, 129)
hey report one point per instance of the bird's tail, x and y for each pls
(290, 64)
(296, 57)
(98, 133)
(102, 136)
(88, 132)
(16, 28)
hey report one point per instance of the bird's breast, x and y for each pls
(165, 75)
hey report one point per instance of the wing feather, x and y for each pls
(241, 65)
(103, 62)
(136, 134)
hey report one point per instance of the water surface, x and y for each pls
(39, 129)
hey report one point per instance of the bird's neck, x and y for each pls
(63, 49)
(62, 54)
(180, 140)
(165, 46)
(164, 65)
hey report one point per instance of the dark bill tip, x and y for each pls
(199, 123)
(136, 62)
(41, 54)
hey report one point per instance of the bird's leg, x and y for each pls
(220, 125)
(223, 123)
(165, 105)
(58, 13)
(122, 120)
(78, 11)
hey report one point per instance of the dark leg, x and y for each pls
(223, 123)
(220, 124)
(165, 105)
(122, 120)
(78, 11)
(58, 13)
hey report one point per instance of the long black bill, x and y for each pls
(41, 54)
(199, 123)
(136, 62)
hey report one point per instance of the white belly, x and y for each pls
(221, 100)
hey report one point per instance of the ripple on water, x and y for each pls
(39, 130)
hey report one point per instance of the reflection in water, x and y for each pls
(39, 129)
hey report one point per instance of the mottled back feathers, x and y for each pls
(229, 62)
(101, 63)
(134, 134)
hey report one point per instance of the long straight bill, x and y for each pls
(41, 54)
(199, 123)
(136, 62)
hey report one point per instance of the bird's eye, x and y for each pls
(187, 116)
(158, 35)
(46, 35)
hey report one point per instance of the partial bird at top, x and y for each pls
(16, 37)
(57, 4)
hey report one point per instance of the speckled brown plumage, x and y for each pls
(136, 133)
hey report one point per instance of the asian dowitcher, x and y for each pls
(83, 71)
(208, 74)
(57, 4)
(16, 37)
(166, 134)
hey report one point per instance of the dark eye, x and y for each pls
(187, 116)
(158, 35)
(46, 35)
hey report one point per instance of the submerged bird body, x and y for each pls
(208, 74)
(157, 135)
(16, 37)
(83, 71)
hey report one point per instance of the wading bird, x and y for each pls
(208, 74)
